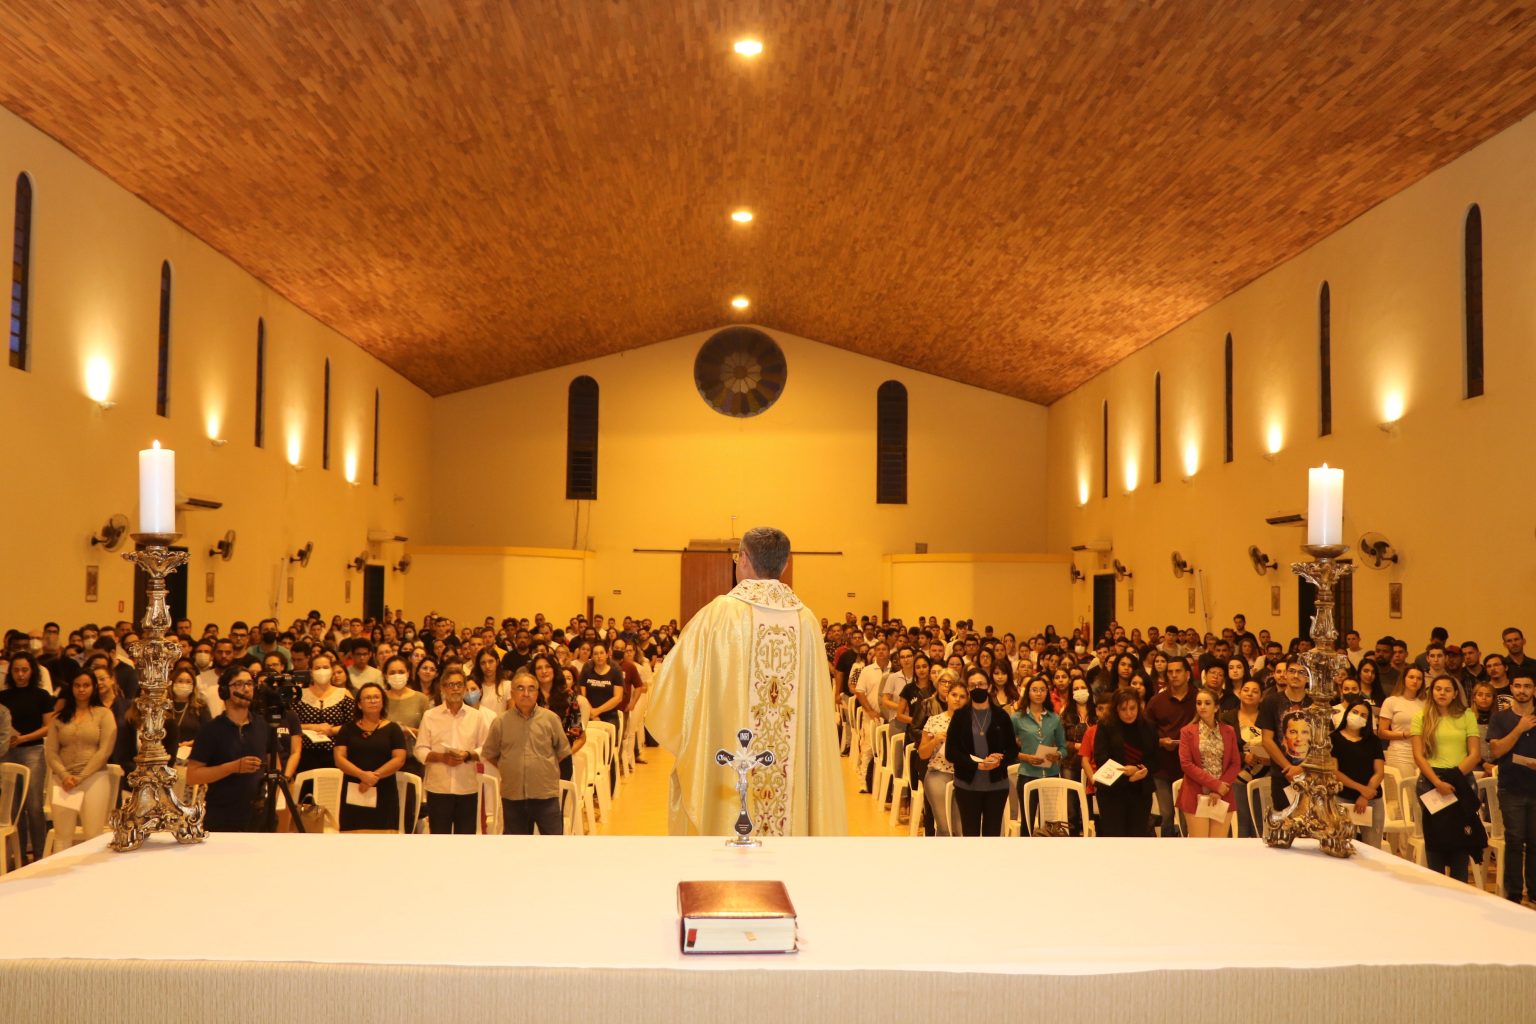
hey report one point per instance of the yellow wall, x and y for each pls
(1013, 593)
(671, 469)
(1452, 489)
(467, 584)
(96, 255)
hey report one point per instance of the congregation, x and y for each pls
(1168, 732)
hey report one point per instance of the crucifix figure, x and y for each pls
(743, 761)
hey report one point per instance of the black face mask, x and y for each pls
(978, 695)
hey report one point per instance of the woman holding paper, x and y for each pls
(1361, 767)
(1042, 738)
(1124, 788)
(981, 745)
(368, 752)
(79, 742)
(1209, 755)
(1446, 748)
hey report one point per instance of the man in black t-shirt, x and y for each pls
(1277, 712)
(228, 756)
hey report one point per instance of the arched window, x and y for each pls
(1474, 300)
(325, 420)
(581, 440)
(1104, 455)
(1157, 428)
(1324, 361)
(261, 383)
(163, 357)
(1228, 387)
(21, 271)
(375, 437)
(891, 444)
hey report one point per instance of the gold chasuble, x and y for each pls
(750, 659)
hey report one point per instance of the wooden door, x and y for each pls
(706, 575)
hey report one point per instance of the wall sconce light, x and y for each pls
(1271, 456)
(1389, 428)
(297, 467)
(98, 382)
(218, 442)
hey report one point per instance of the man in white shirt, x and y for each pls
(870, 684)
(448, 743)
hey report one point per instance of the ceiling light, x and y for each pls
(748, 47)
(742, 216)
(740, 302)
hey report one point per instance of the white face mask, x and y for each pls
(1079, 649)
(36, 644)
(1081, 696)
(181, 690)
(396, 680)
(321, 676)
(1357, 722)
(202, 659)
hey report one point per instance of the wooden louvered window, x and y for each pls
(261, 383)
(1325, 361)
(891, 444)
(163, 356)
(1474, 301)
(21, 271)
(581, 440)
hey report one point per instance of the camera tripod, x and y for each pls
(273, 781)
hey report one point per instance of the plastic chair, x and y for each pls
(1050, 796)
(15, 781)
(1493, 821)
(634, 735)
(409, 783)
(325, 791)
(882, 763)
(570, 808)
(1013, 815)
(1261, 803)
(488, 806)
(899, 789)
(600, 742)
(950, 810)
(914, 794)
(1397, 826)
(582, 779)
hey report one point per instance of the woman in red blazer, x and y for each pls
(1209, 757)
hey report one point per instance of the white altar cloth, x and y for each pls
(890, 929)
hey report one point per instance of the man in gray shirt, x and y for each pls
(526, 745)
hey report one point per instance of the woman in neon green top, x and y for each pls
(1446, 748)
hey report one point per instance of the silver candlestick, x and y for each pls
(152, 804)
(743, 761)
(1316, 813)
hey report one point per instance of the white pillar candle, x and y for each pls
(1325, 506)
(157, 490)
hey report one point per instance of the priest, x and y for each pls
(752, 658)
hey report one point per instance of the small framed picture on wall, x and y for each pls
(1191, 600)
(208, 585)
(92, 582)
(1274, 600)
(1130, 599)
(347, 597)
(1394, 600)
(290, 590)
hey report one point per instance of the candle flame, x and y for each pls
(157, 445)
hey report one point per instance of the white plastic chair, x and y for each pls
(1050, 796)
(1396, 824)
(1261, 802)
(1013, 824)
(408, 783)
(899, 789)
(582, 779)
(1493, 821)
(570, 808)
(325, 791)
(950, 810)
(914, 794)
(488, 806)
(882, 763)
(600, 742)
(15, 781)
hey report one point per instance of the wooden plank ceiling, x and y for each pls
(1016, 195)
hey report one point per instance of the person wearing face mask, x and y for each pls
(1076, 716)
(981, 744)
(404, 706)
(187, 714)
(1361, 766)
(324, 708)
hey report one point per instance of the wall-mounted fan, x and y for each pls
(403, 566)
(740, 371)
(1076, 575)
(225, 547)
(1376, 551)
(1121, 572)
(1262, 563)
(302, 556)
(1180, 566)
(359, 562)
(111, 535)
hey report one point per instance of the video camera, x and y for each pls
(276, 693)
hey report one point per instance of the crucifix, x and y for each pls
(743, 761)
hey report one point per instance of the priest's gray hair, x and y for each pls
(767, 548)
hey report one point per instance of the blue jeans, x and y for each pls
(1519, 811)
